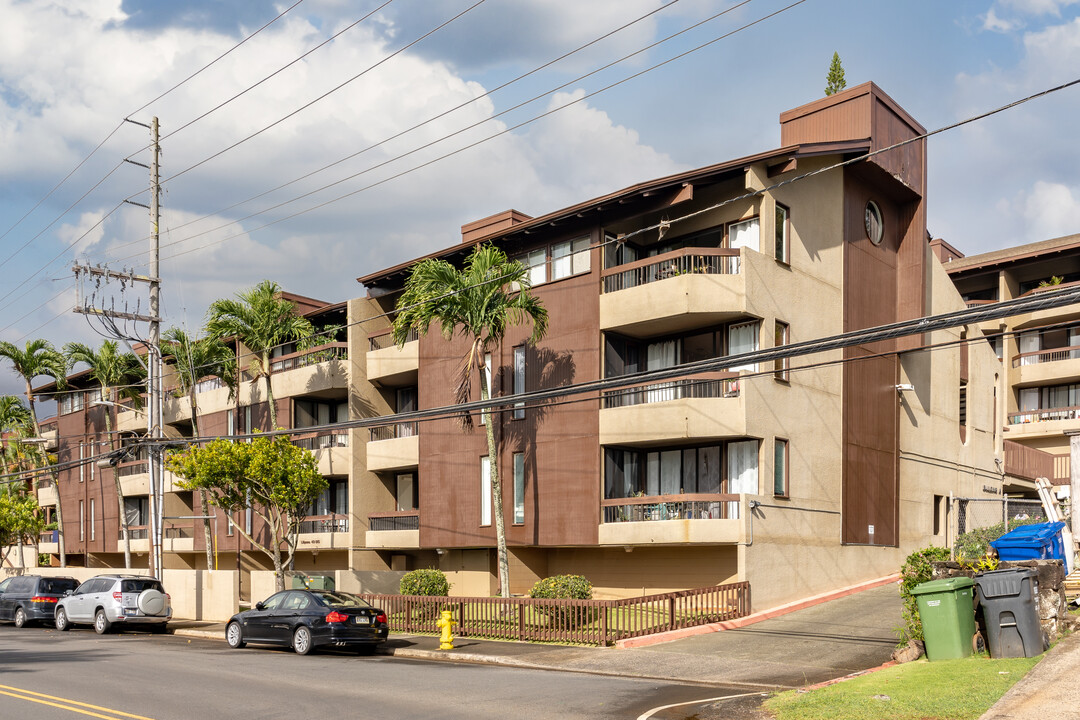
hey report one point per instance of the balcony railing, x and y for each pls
(324, 524)
(978, 303)
(1027, 462)
(651, 508)
(398, 430)
(178, 532)
(385, 338)
(705, 385)
(49, 536)
(1045, 356)
(685, 261)
(322, 440)
(313, 356)
(138, 532)
(1062, 468)
(133, 468)
(1047, 415)
(401, 520)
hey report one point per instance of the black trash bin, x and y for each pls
(1010, 610)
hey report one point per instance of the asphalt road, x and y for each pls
(48, 675)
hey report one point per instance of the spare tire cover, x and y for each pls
(151, 602)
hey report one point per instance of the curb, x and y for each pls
(757, 617)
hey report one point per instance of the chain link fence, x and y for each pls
(980, 520)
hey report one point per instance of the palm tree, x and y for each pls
(119, 372)
(15, 457)
(479, 303)
(261, 320)
(40, 358)
(193, 359)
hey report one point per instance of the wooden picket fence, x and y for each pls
(579, 622)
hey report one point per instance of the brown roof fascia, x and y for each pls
(1009, 256)
(866, 88)
(690, 176)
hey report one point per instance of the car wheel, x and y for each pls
(61, 620)
(101, 622)
(234, 635)
(301, 640)
(20, 618)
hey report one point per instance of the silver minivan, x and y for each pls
(106, 601)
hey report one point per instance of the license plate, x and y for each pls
(362, 620)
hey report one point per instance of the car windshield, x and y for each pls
(337, 599)
(137, 586)
(57, 586)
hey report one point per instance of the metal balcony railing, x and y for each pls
(324, 524)
(1045, 356)
(313, 356)
(705, 385)
(322, 440)
(1045, 415)
(398, 430)
(685, 261)
(401, 520)
(650, 508)
(385, 338)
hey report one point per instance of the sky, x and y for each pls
(377, 146)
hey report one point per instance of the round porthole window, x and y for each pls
(875, 227)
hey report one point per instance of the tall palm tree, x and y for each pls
(193, 359)
(40, 358)
(261, 320)
(119, 374)
(478, 302)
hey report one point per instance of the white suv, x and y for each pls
(106, 600)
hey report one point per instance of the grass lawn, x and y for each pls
(945, 690)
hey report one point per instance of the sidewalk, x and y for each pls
(1050, 690)
(818, 639)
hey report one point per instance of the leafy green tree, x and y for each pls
(273, 477)
(20, 519)
(478, 302)
(195, 358)
(261, 320)
(17, 456)
(40, 358)
(834, 81)
(119, 375)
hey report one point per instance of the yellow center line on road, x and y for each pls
(66, 704)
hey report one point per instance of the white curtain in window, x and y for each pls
(670, 472)
(537, 262)
(1029, 343)
(405, 492)
(581, 259)
(561, 262)
(745, 235)
(652, 473)
(742, 471)
(743, 339)
(485, 491)
(660, 355)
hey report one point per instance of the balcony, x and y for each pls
(331, 448)
(178, 538)
(394, 447)
(52, 441)
(324, 532)
(49, 542)
(1043, 422)
(390, 365)
(46, 493)
(708, 405)
(140, 539)
(315, 370)
(671, 520)
(393, 530)
(1027, 463)
(135, 479)
(1047, 367)
(677, 291)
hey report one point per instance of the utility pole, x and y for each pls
(153, 366)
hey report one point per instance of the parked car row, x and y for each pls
(105, 601)
(300, 619)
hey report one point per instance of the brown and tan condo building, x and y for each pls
(800, 475)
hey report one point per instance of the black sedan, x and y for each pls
(306, 619)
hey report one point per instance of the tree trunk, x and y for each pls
(496, 488)
(269, 392)
(279, 571)
(208, 538)
(55, 478)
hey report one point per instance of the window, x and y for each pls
(519, 488)
(536, 262)
(742, 339)
(406, 403)
(569, 258)
(780, 467)
(82, 521)
(744, 234)
(485, 490)
(405, 491)
(136, 510)
(939, 514)
(229, 525)
(93, 529)
(782, 246)
(230, 422)
(780, 365)
(334, 500)
(742, 470)
(519, 381)
(875, 225)
(82, 465)
(310, 413)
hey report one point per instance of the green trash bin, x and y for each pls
(947, 610)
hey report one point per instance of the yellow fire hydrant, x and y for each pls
(446, 623)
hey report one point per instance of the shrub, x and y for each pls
(564, 587)
(976, 543)
(916, 569)
(427, 581)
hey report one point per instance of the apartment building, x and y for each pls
(800, 475)
(1039, 377)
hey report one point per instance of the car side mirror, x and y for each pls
(68, 592)
(260, 606)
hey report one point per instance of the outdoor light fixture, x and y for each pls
(905, 387)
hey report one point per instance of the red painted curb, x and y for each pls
(755, 617)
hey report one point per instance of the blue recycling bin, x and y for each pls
(1040, 541)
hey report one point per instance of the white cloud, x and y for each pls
(88, 231)
(993, 23)
(1051, 210)
(1038, 7)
